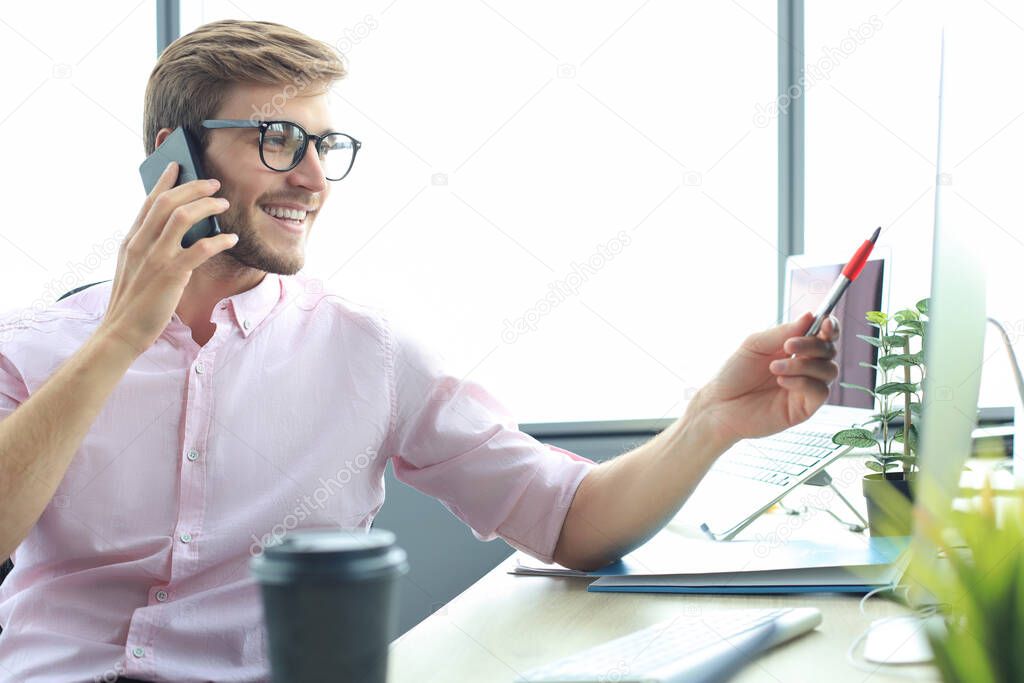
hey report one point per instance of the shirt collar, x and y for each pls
(251, 307)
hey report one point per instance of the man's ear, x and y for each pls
(162, 135)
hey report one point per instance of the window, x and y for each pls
(575, 204)
(71, 117)
(871, 143)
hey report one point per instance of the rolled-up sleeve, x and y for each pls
(13, 391)
(451, 439)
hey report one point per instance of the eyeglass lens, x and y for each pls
(282, 146)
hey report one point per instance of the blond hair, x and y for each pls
(193, 74)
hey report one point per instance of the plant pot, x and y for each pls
(890, 499)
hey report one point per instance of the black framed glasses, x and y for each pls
(283, 145)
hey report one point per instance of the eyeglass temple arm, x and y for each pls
(230, 123)
(244, 123)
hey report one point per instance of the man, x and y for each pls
(157, 431)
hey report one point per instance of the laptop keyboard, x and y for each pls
(779, 459)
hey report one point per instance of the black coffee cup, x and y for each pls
(330, 603)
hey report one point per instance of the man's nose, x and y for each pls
(309, 173)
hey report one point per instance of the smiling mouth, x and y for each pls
(293, 217)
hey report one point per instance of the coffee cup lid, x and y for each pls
(329, 553)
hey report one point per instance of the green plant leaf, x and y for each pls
(873, 466)
(981, 585)
(874, 341)
(912, 446)
(896, 388)
(858, 438)
(906, 315)
(895, 340)
(868, 365)
(911, 327)
(922, 306)
(876, 317)
(896, 360)
(889, 362)
(849, 385)
(887, 417)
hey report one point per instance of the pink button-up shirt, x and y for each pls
(139, 565)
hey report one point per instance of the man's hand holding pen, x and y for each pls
(776, 379)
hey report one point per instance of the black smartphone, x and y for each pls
(181, 147)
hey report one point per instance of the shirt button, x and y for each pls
(192, 455)
(200, 368)
(186, 537)
(138, 651)
(246, 324)
(223, 306)
(161, 596)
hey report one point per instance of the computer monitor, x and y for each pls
(955, 336)
(808, 280)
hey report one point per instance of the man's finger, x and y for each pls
(813, 392)
(769, 341)
(811, 347)
(815, 368)
(829, 329)
(164, 182)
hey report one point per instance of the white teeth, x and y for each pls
(281, 212)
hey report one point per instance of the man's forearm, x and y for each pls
(623, 502)
(39, 439)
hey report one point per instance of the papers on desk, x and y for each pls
(671, 563)
(854, 579)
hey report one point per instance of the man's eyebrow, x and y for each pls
(323, 131)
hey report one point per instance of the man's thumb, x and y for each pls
(771, 340)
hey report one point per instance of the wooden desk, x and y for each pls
(503, 625)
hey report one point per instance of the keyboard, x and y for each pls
(696, 649)
(754, 474)
(779, 459)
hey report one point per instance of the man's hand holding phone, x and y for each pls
(152, 267)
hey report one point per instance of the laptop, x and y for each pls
(755, 474)
(807, 282)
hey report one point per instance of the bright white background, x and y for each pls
(871, 143)
(71, 121)
(506, 143)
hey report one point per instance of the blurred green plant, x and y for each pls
(894, 355)
(978, 584)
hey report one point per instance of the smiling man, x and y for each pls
(157, 431)
(274, 176)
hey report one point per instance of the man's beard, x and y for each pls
(252, 251)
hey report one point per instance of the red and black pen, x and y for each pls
(839, 287)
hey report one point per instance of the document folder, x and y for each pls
(798, 567)
(672, 563)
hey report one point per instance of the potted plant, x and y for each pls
(900, 367)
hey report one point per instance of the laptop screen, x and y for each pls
(808, 288)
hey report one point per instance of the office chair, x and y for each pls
(5, 569)
(79, 289)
